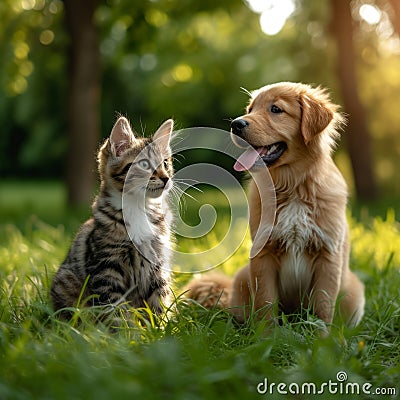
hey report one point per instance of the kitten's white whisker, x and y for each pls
(180, 192)
(183, 192)
(175, 157)
(190, 186)
(176, 139)
(187, 179)
(184, 181)
(175, 142)
(181, 200)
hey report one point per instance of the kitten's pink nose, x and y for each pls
(165, 180)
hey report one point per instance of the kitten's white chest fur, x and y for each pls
(133, 208)
(137, 222)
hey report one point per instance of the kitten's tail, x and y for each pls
(211, 290)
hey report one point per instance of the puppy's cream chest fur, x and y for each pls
(296, 237)
(295, 229)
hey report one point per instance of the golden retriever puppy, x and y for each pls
(305, 259)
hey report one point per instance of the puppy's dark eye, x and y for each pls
(275, 109)
(249, 110)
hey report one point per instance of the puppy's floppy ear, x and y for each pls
(316, 116)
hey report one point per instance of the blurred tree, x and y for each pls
(32, 88)
(395, 4)
(83, 100)
(358, 137)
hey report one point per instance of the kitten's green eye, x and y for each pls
(145, 164)
(166, 164)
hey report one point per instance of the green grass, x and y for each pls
(192, 353)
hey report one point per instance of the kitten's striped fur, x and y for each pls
(120, 269)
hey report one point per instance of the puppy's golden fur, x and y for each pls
(305, 259)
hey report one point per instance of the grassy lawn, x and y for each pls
(192, 353)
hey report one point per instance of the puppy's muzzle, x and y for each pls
(238, 125)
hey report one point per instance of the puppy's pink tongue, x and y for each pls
(247, 159)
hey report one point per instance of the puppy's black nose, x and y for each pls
(237, 126)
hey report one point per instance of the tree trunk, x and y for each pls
(83, 100)
(358, 137)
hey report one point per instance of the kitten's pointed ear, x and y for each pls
(121, 137)
(163, 133)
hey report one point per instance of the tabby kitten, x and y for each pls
(123, 250)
